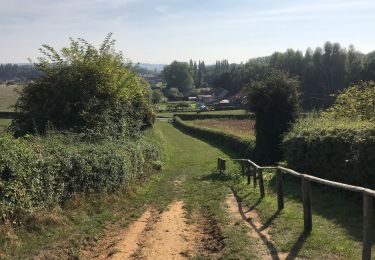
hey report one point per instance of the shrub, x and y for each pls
(243, 146)
(157, 96)
(274, 100)
(356, 102)
(341, 150)
(84, 89)
(38, 173)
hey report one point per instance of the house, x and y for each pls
(206, 98)
(220, 93)
(238, 99)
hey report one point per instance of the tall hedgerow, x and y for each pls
(84, 89)
(274, 99)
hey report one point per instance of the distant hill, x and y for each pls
(150, 66)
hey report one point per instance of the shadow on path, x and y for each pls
(274, 254)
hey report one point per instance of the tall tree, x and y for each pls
(200, 74)
(274, 99)
(178, 75)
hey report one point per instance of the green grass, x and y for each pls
(193, 161)
(337, 222)
(223, 112)
(8, 96)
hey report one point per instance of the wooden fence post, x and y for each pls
(255, 170)
(218, 163)
(367, 221)
(261, 183)
(243, 167)
(248, 173)
(306, 200)
(280, 189)
(222, 165)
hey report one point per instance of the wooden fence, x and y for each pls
(251, 169)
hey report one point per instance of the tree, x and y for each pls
(174, 94)
(178, 75)
(84, 89)
(274, 99)
(200, 74)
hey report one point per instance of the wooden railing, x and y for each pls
(251, 169)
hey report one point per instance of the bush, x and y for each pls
(341, 150)
(274, 100)
(174, 94)
(356, 102)
(243, 146)
(86, 90)
(38, 173)
(157, 96)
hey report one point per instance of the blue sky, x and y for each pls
(160, 31)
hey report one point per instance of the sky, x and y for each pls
(160, 31)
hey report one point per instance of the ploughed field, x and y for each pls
(220, 112)
(243, 128)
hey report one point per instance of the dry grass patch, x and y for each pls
(8, 96)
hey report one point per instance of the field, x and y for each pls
(8, 96)
(243, 128)
(223, 112)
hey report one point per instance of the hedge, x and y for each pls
(7, 115)
(189, 117)
(342, 151)
(244, 146)
(40, 173)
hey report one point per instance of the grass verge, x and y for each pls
(337, 219)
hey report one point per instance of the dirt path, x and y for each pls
(171, 237)
(266, 249)
(154, 235)
(130, 237)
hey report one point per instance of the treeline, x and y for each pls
(18, 72)
(322, 72)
